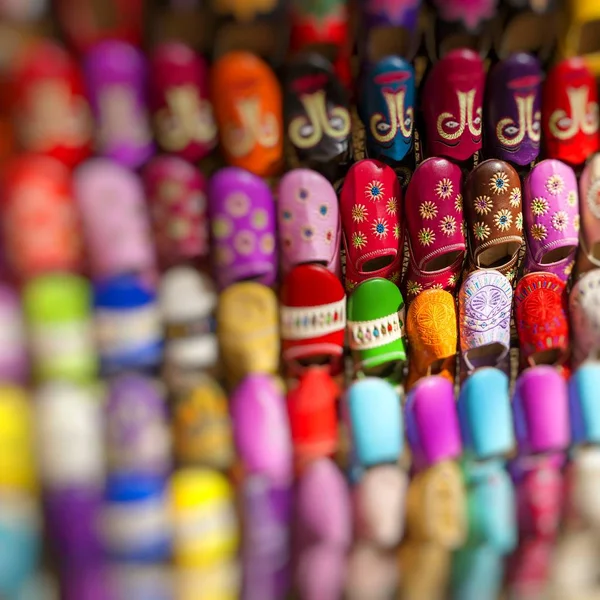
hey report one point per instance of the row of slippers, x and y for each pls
(307, 121)
(444, 218)
(244, 234)
(274, 27)
(472, 506)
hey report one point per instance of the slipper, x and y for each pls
(575, 565)
(585, 319)
(51, 113)
(371, 572)
(375, 422)
(58, 314)
(376, 329)
(243, 222)
(176, 193)
(324, 27)
(389, 30)
(494, 218)
(527, 26)
(370, 203)
(248, 112)
(485, 307)
(477, 573)
(512, 120)
(202, 431)
(436, 231)
(551, 218)
(70, 444)
(491, 506)
(320, 572)
(323, 508)
(188, 300)
(255, 26)
(541, 411)
(87, 23)
(460, 24)
(14, 360)
(313, 319)
(317, 117)
(425, 567)
(144, 446)
(80, 547)
(454, 119)
(127, 324)
(541, 495)
(115, 220)
(584, 481)
(308, 220)
(182, 113)
(486, 428)
(116, 76)
(248, 330)
(529, 568)
(202, 500)
(261, 429)
(583, 398)
(432, 426)
(570, 112)
(265, 560)
(579, 36)
(589, 206)
(312, 411)
(541, 319)
(436, 511)
(387, 109)
(379, 506)
(19, 471)
(41, 232)
(432, 335)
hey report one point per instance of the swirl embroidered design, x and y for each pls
(432, 323)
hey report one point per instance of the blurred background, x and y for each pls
(167, 428)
